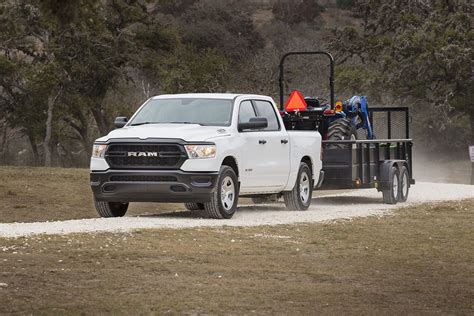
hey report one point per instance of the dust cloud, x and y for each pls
(441, 167)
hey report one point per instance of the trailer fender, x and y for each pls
(385, 174)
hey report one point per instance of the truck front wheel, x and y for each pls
(224, 200)
(300, 197)
(110, 209)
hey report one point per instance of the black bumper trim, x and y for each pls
(188, 187)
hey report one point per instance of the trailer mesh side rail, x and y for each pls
(388, 123)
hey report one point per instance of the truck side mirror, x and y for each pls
(120, 121)
(254, 123)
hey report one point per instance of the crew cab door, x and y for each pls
(266, 152)
(277, 140)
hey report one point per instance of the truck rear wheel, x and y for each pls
(110, 209)
(341, 129)
(299, 198)
(194, 206)
(224, 200)
(392, 193)
(404, 184)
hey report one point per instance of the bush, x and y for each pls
(294, 12)
(225, 27)
(345, 4)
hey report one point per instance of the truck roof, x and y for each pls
(229, 96)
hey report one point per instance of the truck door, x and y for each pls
(252, 153)
(277, 147)
(265, 153)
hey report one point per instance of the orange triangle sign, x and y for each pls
(296, 102)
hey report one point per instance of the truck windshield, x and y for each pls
(209, 112)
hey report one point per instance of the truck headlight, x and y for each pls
(98, 151)
(201, 151)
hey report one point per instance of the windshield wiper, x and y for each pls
(143, 123)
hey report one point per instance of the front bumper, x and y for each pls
(153, 186)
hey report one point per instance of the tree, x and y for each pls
(420, 51)
(28, 71)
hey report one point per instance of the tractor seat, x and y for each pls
(312, 102)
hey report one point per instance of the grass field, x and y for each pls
(418, 262)
(40, 194)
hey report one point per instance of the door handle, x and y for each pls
(284, 141)
(262, 141)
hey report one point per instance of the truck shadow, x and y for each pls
(316, 202)
(346, 200)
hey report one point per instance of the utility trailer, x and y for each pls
(362, 147)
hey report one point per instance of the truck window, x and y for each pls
(265, 109)
(246, 112)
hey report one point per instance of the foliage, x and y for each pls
(225, 27)
(345, 4)
(294, 12)
(421, 51)
(193, 70)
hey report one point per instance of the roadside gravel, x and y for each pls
(347, 205)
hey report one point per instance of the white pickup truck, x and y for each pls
(204, 150)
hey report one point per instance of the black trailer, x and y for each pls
(384, 163)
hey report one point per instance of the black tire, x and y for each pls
(341, 129)
(294, 200)
(391, 194)
(219, 207)
(194, 206)
(404, 184)
(110, 209)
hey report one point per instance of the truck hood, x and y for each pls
(187, 132)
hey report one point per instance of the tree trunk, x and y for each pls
(101, 120)
(471, 117)
(3, 143)
(82, 130)
(34, 148)
(49, 127)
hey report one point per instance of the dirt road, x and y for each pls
(324, 208)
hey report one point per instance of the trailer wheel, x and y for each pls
(299, 199)
(110, 209)
(224, 200)
(194, 206)
(392, 193)
(404, 184)
(341, 129)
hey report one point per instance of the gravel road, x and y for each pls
(345, 205)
